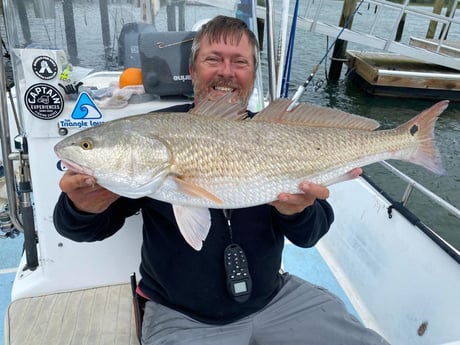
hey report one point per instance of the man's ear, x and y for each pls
(190, 71)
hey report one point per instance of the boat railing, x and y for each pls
(5, 141)
(415, 215)
(411, 185)
(20, 209)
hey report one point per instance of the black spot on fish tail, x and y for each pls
(413, 130)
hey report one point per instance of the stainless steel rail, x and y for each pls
(5, 141)
(411, 185)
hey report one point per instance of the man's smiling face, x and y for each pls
(223, 66)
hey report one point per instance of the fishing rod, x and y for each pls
(288, 64)
(301, 89)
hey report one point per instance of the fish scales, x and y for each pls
(267, 159)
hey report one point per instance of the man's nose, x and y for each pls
(226, 69)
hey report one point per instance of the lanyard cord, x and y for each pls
(228, 216)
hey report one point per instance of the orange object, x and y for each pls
(130, 76)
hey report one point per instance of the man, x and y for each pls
(189, 301)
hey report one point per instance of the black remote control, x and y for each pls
(239, 283)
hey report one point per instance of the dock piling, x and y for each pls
(340, 46)
(70, 36)
(437, 8)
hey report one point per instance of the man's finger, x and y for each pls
(71, 181)
(315, 190)
(87, 181)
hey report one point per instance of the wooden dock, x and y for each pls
(394, 75)
(446, 47)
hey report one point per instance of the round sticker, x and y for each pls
(61, 166)
(44, 67)
(44, 101)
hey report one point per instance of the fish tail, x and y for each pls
(422, 127)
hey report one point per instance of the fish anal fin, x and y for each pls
(194, 224)
(228, 107)
(313, 116)
(195, 190)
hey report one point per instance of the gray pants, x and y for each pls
(301, 313)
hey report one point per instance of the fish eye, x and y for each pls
(86, 144)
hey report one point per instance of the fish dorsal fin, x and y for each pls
(195, 190)
(227, 107)
(194, 224)
(314, 116)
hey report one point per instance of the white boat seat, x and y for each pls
(97, 316)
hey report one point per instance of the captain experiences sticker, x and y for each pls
(44, 67)
(44, 101)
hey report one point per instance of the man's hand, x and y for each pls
(85, 193)
(289, 204)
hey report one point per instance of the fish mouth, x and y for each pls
(76, 168)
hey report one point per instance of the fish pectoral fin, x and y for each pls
(195, 190)
(194, 224)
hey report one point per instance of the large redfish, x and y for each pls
(208, 158)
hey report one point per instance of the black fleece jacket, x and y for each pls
(193, 282)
